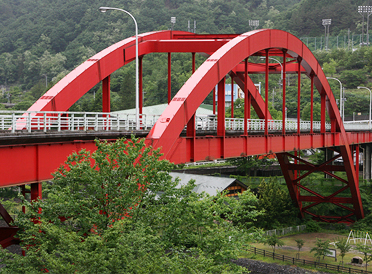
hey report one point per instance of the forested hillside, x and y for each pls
(42, 40)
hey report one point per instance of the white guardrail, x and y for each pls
(100, 121)
(358, 125)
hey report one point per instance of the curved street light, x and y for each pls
(276, 60)
(341, 97)
(370, 104)
(104, 9)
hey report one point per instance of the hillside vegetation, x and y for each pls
(41, 41)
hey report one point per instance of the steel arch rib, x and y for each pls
(79, 81)
(166, 132)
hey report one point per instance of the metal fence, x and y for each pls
(352, 42)
(286, 230)
(292, 260)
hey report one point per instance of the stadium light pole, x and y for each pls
(370, 104)
(365, 10)
(341, 97)
(104, 9)
(326, 23)
(254, 23)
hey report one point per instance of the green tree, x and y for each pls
(367, 253)
(7, 68)
(239, 111)
(251, 163)
(300, 244)
(306, 112)
(51, 65)
(117, 210)
(354, 78)
(344, 247)
(321, 248)
(278, 206)
(317, 156)
(330, 67)
(274, 241)
(244, 214)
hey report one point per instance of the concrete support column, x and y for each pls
(367, 163)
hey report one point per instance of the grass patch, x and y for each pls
(290, 249)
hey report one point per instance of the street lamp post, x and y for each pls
(343, 102)
(281, 66)
(341, 97)
(370, 104)
(104, 9)
(281, 74)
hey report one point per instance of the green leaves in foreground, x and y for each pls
(116, 210)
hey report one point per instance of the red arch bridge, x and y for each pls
(35, 143)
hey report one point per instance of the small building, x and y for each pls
(211, 184)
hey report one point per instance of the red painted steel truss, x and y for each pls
(228, 55)
(298, 169)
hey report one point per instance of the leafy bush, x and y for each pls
(312, 226)
(364, 224)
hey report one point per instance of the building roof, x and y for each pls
(209, 184)
(159, 109)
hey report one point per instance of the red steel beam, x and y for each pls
(140, 84)
(106, 94)
(22, 164)
(284, 83)
(266, 92)
(247, 105)
(169, 77)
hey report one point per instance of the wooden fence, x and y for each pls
(295, 261)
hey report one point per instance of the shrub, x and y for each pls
(312, 226)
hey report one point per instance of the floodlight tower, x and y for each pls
(254, 24)
(326, 23)
(365, 10)
(173, 21)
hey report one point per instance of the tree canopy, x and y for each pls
(117, 210)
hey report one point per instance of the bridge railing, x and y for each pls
(101, 121)
(273, 125)
(358, 125)
(57, 121)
